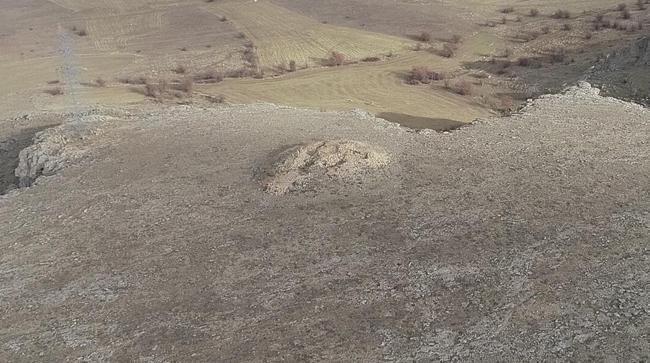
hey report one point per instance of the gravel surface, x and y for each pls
(521, 238)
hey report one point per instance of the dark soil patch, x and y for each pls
(421, 123)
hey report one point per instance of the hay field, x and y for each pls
(281, 35)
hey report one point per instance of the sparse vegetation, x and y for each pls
(292, 66)
(621, 7)
(424, 75)
(186, 85)
(447, 51)
(336, 59)
(209, 76)
(507, 10)
(216, 99)
(424, 37)
(100, 82)
(533, 12)
(561, 14)
(523, 61)
(56, 91)
(566, 27)
(461, 87)
(456, 38)
(134, 80)
(625, 14)
(546, 29)
(180, 69)
(371, 59)
(156, 90)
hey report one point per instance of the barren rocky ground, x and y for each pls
(520, 239)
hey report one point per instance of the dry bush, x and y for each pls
(424, 75)
(156, 90)
(456, 39)
(533, 12)
(133, 80)
(625, 14)
(180, 69)
(292, 66)
(223, 18)
(240, 72)
(447, 51)
(371, 59)
(461, 87)
(100, 82)
(507, 10)
(424, 37)
(567, 27)
(56, 91)
(210, 76)
(216, 99)
(621, 7)
(558, 55)
(561, 14)
(240, 35)
(186, 85)
(250, 55)
(56, 81)
(546, 29)
(504, 20)
(336, 59)
(599, 18)
(184, 49)
(589, 35)
(523, 61)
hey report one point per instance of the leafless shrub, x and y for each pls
(184, 49)
(56, 91)
(56, 81)
(546, 29)
(209, 76)
(223, 18)
(507, 10)
(456, 39)
(371, 59)
(240, 73)
(336, 59)
(504, 20)
(180, 69)
(100, 82)
(216, 99)
(523, 61)
(292, 66)
(558, 55)
(533, 12)
(461, 87)
(599, 18)
(447, 51)
(621, 7)
(561, 14)
(566, 27)
(133, 80)
(589, 35)
(186, 85)
(625, 14)
(423, 75)
(240, 35)
(424, 37)
(156, 90)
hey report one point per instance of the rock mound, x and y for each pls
(54, 148)
(337, 160)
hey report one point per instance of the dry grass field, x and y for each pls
(281, 48)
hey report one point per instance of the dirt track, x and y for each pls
(523, 238)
